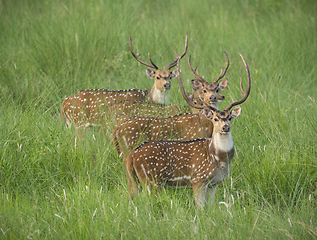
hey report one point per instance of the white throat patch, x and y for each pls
(160, 96)
(222, 142)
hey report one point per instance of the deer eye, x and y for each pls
(229, 118)
(216, 119)
(217, 90)
(158, 77)
(204, 91)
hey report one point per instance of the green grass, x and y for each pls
(52, 49)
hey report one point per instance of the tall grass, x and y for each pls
(52, 49)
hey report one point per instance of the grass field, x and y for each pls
(51, 49)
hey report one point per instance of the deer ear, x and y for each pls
(197, 85)
(208, 113)
(150, 73)
(223, 84)
(235, 112)
(174, 73)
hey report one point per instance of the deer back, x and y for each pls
(182, 127)
(141, 108)
(89, 107)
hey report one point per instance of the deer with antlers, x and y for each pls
(203, 89)
(182, 127)
(202, 163)
(209, 92)
(88, 107)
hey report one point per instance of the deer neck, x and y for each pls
(220, 152)
(221, 146)
(158, 96)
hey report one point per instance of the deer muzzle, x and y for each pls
(212, 99)
(226, 128)
(167, 86)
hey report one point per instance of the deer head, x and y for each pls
(195, 98)
(162, 78)
(210, 92)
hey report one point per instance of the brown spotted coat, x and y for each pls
(182, 127)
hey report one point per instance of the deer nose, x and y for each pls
(212, 98)
(167, 86)
(226, 128)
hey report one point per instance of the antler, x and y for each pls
(194, 71)
(222, 74)
(174, 63)
(190, 102)
(152, 65)
(193, 93)
(245, 94)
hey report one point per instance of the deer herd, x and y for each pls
(165, 144)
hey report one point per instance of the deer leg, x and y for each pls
(78, 135)
(210, 194)
(200, 194)
(147, 180)
(123, 144)
(116, 143)
(125, 147)
(131, 175)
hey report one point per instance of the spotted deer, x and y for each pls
(136, 130)
(209, 91)
(89, 107)
(203, 89)
(181, 127)
(201, 163)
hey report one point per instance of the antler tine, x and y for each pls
(245, 94)
(174, 63)
(138, 59)
(241, 86)
(194, 71)
(199, 75)
(222, 74)
(152, 62)
(190, 103)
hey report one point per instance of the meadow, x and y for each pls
(50, 189)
